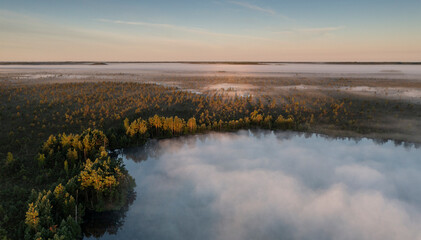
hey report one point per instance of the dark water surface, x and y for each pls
(269, 185)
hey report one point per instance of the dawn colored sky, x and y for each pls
(192, 30)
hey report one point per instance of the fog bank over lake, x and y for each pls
(388, 71)
(273, 186)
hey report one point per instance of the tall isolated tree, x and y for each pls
(191, 124)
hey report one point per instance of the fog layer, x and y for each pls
(274, 186)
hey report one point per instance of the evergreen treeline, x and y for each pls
(139, 130)
(30, 113)
(86, 177)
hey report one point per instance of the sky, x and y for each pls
(193, 30)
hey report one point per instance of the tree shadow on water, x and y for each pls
(96, 224)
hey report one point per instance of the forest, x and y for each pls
(57, 141)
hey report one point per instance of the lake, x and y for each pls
(269, 185)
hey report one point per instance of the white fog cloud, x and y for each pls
(228, 186)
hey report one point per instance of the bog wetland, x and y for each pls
(390, 94)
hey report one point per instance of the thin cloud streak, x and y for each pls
(321, 30)
(253, 7)
(181, 28)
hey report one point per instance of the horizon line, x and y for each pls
(204, 62)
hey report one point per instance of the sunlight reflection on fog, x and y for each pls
(273, 186)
